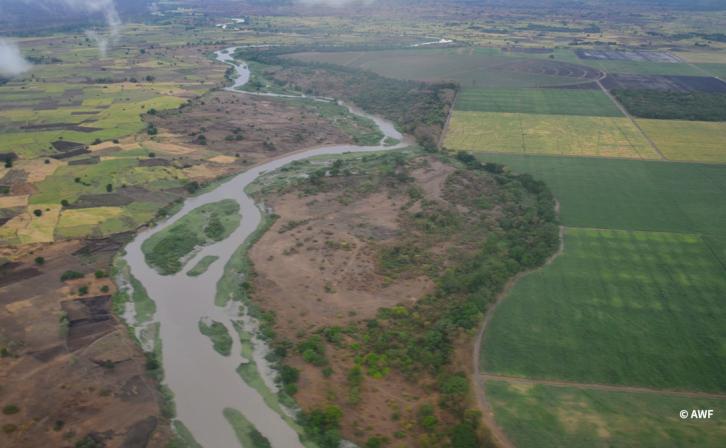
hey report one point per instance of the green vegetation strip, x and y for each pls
(538, 101)
(202, 226)
(202, 266)
(619, 307)
(552, 417)
(183, 438)
(218, 334)
(246, 432)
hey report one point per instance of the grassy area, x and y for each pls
(238, 266)
(471, 67)
(697, 141)
(546, 416)
(546, 134)
(144, 307)
(629, 194)
(166, 249)
(202, 266)
(70, 182)
(619, 307)
(714, 69)
(538, 101)
(246, 432)
(183, 438)
(218, 334)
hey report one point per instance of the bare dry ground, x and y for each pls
(67, 362)
(250, 127)
(320, 266)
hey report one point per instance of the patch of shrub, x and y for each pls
(10, 409)
(70, 275)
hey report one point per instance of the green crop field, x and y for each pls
(102, 114)
(472, 67)
(630, 194)
(688, 140)
(553, 417)
(546, 134)
(619, 307)
(538, 101)
(62, 185)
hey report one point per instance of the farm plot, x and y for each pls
(644, 68)
(714, 69)
(96, 115)
(698, 141)
(630, 194)
(71, 182)
(619, 307)
(631, 55)
(538, 101)
(472, 67)
(552, 417)
(546, 134)
(682, 84)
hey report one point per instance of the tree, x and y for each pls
(39, 261)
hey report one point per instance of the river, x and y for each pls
(203, 381)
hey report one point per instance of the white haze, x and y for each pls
(12, 63)
(105, 7)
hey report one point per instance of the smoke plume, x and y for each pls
(12, 63)
(105, 7)
(108, 9)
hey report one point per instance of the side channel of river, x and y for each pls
(204, 382)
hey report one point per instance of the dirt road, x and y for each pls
(603, 387)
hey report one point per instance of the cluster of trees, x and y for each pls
(418, 108)
(669, 105)
(420, 338)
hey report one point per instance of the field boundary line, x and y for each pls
(445, 129)
(630, 117)
(591, 156)
(479, 390)
(603, 387)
